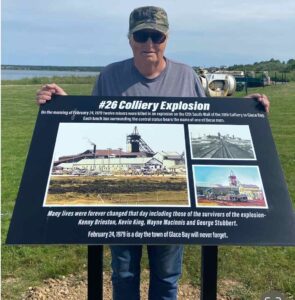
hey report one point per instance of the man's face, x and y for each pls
(149, 51)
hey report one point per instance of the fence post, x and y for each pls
(209, 273)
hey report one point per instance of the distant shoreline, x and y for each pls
(52, 68)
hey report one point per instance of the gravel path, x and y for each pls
(74, 287)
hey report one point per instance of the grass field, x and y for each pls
(250, 271)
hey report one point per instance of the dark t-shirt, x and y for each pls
(123, 79)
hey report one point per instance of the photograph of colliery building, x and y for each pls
(137, 159)
(229, 186)
(118, 174)
(221, 142)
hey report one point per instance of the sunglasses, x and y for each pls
(142, 36)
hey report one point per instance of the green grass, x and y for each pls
(250, 270)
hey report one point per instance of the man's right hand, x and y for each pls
(46, 92)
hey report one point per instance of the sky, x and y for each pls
(94, 33)
(219, 175)
(74, 138)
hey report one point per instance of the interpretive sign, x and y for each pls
(138, 170)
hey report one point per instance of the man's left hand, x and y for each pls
(263, 99)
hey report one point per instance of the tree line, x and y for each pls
(269, 65)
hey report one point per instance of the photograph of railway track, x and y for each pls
(228, 186)
(118, 164)
(226, 142)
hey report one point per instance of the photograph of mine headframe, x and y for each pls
(135, 143)
(123, 164)
(138, 159)
(219, 144)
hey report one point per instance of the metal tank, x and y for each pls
(218, 85)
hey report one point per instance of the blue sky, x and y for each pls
(94, 33)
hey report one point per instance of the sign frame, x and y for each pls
(268, 222)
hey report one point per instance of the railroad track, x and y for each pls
(223, 149)
(219, 151)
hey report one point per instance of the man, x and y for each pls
(148, 73)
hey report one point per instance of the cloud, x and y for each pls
(94, 32)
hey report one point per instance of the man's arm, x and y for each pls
(46, 92)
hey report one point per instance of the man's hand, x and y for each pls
(46, 92)
(263, 99)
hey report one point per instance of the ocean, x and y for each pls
(20, 74)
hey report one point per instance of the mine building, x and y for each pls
(251, 190)
(235, 187)
(139, 157)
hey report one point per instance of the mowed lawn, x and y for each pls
(244, 272)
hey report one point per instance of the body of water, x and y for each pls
(20, 74)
